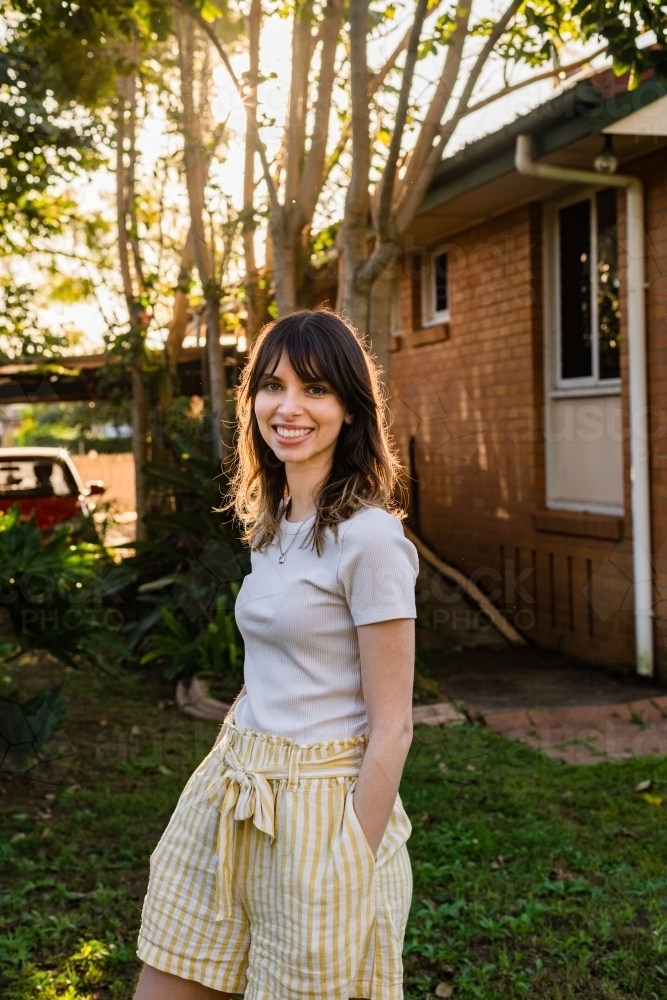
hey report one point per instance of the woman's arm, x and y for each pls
(387, 652)
(224, 728)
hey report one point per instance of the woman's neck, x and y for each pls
(302, 486)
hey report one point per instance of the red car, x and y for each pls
(47, 481)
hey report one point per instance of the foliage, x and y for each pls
(21, 333)
(53, 590)
(66, 424)
(28, 727)
(212, 651)
(183, 583)
(41, 143)
(622, 23)
(81, 971)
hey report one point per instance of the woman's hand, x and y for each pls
(387, 652)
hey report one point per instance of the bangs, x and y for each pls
(314, 355)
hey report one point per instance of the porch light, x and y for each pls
(606, 162)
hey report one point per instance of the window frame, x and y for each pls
(589, 385)
(556, 388)
(429, 315)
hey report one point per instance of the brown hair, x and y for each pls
(320, 346)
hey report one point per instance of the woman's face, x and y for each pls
(300, 421)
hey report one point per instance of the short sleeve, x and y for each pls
(378, 568)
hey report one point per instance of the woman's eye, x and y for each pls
(317, 390)
(272, 386)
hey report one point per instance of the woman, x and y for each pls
(284, 871)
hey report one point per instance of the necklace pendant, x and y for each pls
(281, 559)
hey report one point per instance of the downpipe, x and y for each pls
(638, 391)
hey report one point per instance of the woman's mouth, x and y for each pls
(294, 434)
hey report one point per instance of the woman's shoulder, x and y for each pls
(378, 566)
(376, 520)
(375, 528)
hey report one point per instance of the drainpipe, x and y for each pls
(639, 451)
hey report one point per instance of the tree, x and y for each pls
(90, 56)
(525, 31)
(300, 168)
(201, 137)
(109, 68)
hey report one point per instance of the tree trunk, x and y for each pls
(284, 269)
(195, 176)
(216, 370)
(132, 284)
(379, 332)
(255, 295)
(140, 447)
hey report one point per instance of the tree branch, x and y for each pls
(252, 126)
(422, 175)
(131, 204)
(357, 200)
(313, 176)
(121, 193)
(192, 152)
(378, 78)
(429, 129)
(298, 101)
(389, 174)
(556, 71)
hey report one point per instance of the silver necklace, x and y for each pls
(283, 555)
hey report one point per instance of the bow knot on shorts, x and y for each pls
(264, 884)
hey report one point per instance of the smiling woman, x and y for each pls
(310, 898)
(312, 430)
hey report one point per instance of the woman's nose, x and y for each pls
(290, 404)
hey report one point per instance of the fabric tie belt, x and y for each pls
(241, 792)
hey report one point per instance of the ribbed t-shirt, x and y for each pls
(299, 624)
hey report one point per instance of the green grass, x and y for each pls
(532, 878)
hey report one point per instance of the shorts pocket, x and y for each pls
(356, 826)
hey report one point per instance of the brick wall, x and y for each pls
(468, 419)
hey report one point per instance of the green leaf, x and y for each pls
(210, 11)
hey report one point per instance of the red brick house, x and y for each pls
(529, 371)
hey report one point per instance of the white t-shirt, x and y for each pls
(298, 620)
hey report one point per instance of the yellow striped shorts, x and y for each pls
(264, 884)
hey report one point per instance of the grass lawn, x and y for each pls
(532, 878)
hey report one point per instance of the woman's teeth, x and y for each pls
(285, 433)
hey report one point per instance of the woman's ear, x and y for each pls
(349, 418)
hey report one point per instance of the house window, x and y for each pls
(584, 414)
(435, 291)
(589, 314)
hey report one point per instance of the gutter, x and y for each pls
(639, 451)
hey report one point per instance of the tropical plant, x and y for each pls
(182, 584)
(213, 651)
(28, 730)
(54, 590)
